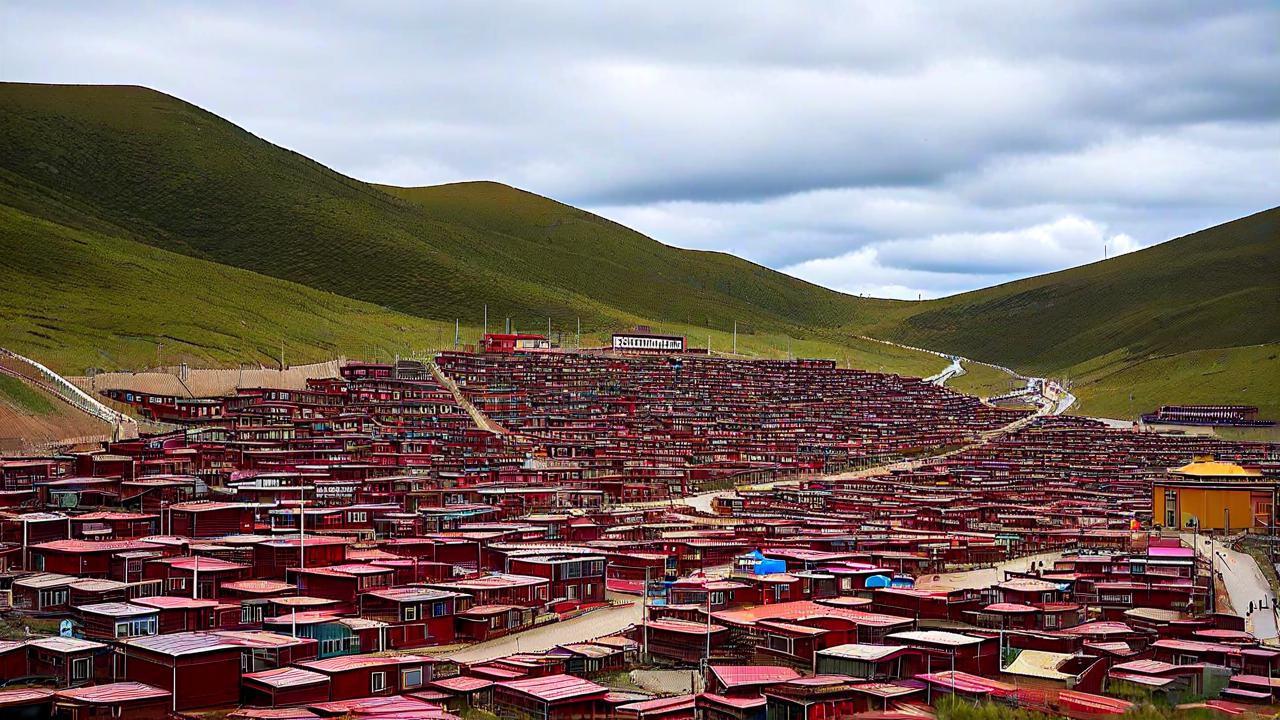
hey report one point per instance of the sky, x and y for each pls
(893, 149)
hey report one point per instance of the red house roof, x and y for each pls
(112, 693)
(555, 688)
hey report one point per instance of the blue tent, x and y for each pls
(756, 563)
(878, 581)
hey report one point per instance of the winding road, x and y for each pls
(1244, 583)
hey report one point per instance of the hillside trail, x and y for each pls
(36, 374)
(482, 421)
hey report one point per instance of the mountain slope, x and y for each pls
(76, 299)
(1216, 288)
(185, 180)
(1195, 320)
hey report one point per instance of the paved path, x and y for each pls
(955, 369)
(597, 623)
(984, 577)
(1244, 583)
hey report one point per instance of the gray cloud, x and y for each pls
(883, 148)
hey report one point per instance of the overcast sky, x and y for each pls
(886, 148)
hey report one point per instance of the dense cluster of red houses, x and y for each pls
(321, 550)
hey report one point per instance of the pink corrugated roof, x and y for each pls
(736, 702)
(287, 677)
(343, 663)
(23, 696)
(553, 688)
(738, 675)
(112, 693)
(669, 704)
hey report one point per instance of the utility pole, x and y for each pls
(302, 534)
(486, 319)
(735, 337)
(644, 617)
(282, 353)
(195, 576)
(457, 327)
(507, 330)
(578, 340)
(548, 327)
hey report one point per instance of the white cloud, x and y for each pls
(937, 265)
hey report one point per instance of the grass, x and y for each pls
(984, 380)
(80, 299)
(24, 397)
(1249, 434)
(1193, 320)
(1126, 387)
(126, 173)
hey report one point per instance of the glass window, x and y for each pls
(377, 682)
(411, 678)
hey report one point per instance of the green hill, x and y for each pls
(1194, 319)
(131, 218)
(180, 178)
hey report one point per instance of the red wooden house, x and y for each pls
(204, 575)
(210, 519)
(341, 582)
(177, 613)
(70, 661)
(202, 669)
(133, 700)
(356, 676)
(86, 558)
(553, 697)
(415, 616)
(271, 558)
(575, 578)
(115, 620)
(283, 687)
(501, 589)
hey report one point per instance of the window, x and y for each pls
(52, 597)
(409, 612)
(439, 608)
(81, 668)
(377, 682)
(571, 592)
(411, 678)
(780, 643)
(136, 627)
(250, 613)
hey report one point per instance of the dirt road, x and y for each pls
(597, 623)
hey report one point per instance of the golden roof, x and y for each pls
(1214, 468)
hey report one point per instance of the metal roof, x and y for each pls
(112, 693)
(287, 677)
(554, 688)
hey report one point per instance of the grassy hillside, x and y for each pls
(78, 293)
(1193, 320)
(1216, 288)
(76, 299)
(180, 178)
